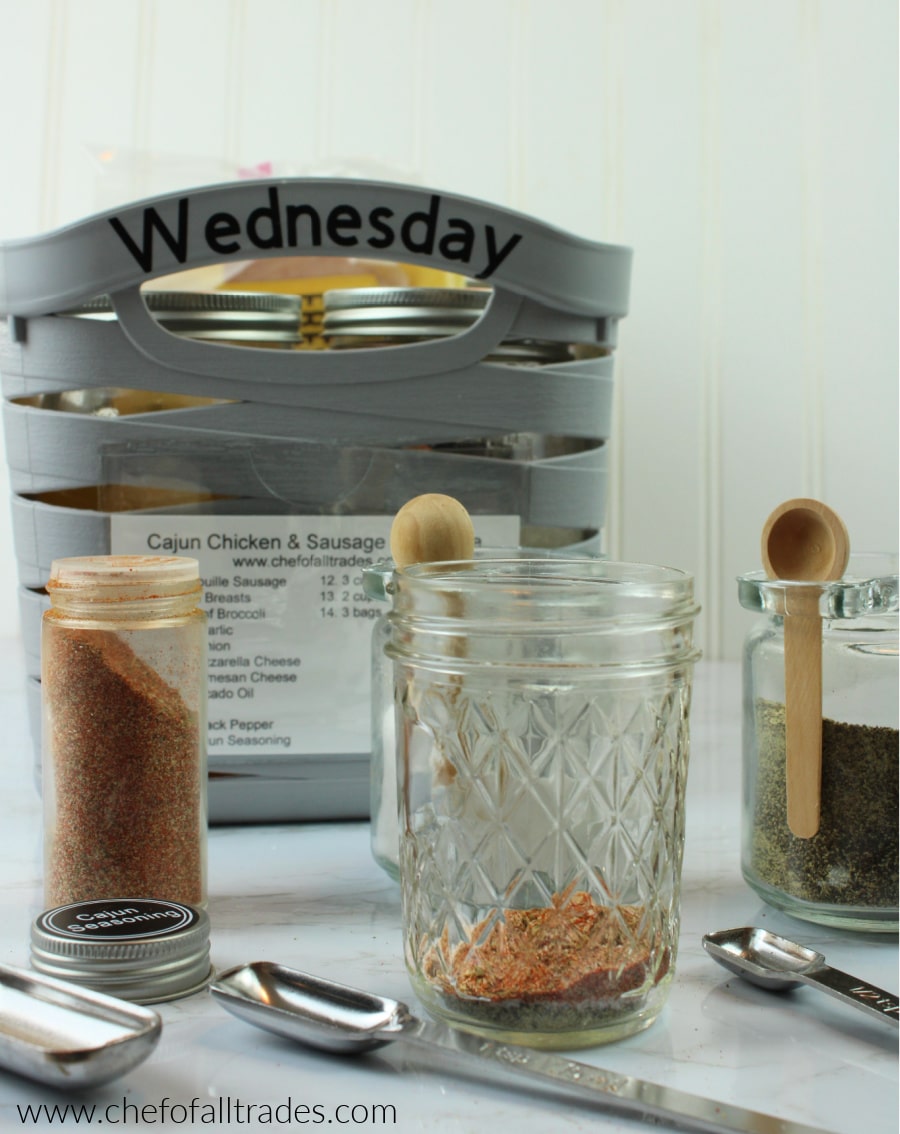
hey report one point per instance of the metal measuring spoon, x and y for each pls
(773, 962)
(347, 1021)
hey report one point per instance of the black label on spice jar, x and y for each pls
(122, 920)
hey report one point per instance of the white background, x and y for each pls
(746, 149)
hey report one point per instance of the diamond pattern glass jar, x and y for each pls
(542, 712)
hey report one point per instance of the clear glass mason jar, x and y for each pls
(123, 686)
(541, 712)
(846, 874)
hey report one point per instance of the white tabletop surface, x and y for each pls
(311, 897)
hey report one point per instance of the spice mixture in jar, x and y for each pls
(124, 688)
(549, 969)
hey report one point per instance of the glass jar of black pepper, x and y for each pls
(846, 874)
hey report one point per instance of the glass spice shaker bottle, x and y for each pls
(123, 686)
(846, 874)
(542, 713)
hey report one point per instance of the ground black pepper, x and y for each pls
(126, 776)
(853, 858)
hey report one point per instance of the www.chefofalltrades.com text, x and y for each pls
(302, 227)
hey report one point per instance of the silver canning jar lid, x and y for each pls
(382, 316)
(241, 317)
(139, 949)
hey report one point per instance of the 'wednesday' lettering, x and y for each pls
(286, 225)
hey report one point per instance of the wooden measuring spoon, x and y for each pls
(431, 529)
(804, 541)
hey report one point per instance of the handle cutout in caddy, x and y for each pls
(223, 362)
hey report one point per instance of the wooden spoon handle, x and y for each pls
(803, 730)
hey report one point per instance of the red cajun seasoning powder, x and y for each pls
(126, 775)
(571, 951)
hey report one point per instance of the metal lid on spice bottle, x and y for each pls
(139, 949)
(241, 317)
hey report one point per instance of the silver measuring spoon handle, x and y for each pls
(618, 1092)
(851, 990)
